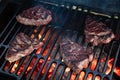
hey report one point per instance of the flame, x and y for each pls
(117, 71)
(38, 50)
(72, 77)
(67, 69)
(93, 64)
(109, 66)
(14, 67)
(97, 78)
(89, 77)
(82, 74)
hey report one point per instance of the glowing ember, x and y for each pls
(89, 77)
(38, 50)
(109, 66)
(67, 69)
(97, 78)
(82, 74)
(117, 71)
(51, 70)
(39, 36)
(93, 64)
(14, 67)
(72, 77)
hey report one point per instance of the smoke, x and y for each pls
(106, 5)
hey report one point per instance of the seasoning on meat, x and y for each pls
(75, 56)
(35, 16)
(97, 32)
(21, 46)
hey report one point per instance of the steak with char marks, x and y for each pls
(21, 46)
(35, 16)
(74, 55)
(97, 32)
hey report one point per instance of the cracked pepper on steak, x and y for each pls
(97, 32)
(35, 16)
(75, 56)
(21, 46)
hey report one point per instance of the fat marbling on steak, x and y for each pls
(21, 46)
(75, 56)
(35, 16)
(97, 32)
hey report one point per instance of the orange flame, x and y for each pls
(116, 69)
(82, 74)
(72, 77)
(93, 64)
(89, 77)
(109, 66)
(14, 67)
(97, 78)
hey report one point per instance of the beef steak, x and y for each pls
(35, 16)
(97, 32)
(75, 56)
(21, 46)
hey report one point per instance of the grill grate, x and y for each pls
(66, 21)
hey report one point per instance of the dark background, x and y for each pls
(105, 5)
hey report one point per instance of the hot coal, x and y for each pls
(75, 56)
(35, 16)
(21, 46)
(97, 32)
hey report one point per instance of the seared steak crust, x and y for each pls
(21, 46)
(97, 32)
(35, 16)
(74, 55)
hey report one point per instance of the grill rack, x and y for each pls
(61, 27)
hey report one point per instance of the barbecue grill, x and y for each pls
(46, 63)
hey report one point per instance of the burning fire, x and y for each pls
(93, 65)
(116, 69)
(73, 76)
(53, 65)
(82, 74)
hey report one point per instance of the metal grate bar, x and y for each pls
(3, 51)
(2, 67)
(54, 72)
(43, 35)
(11, 20)
(108, 57)
(45, 45)
(33, 68)
(19, 65)
(100, 56)
(46, 72)
(114, 63)
(11, 65)
(37, 33)
(18, 29)
(48, 53)
(57, 49)
(51, 50)
(7, 25)
(27, 64)
(10, 31)
(62, 72)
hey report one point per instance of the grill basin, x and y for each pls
(46, 63)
